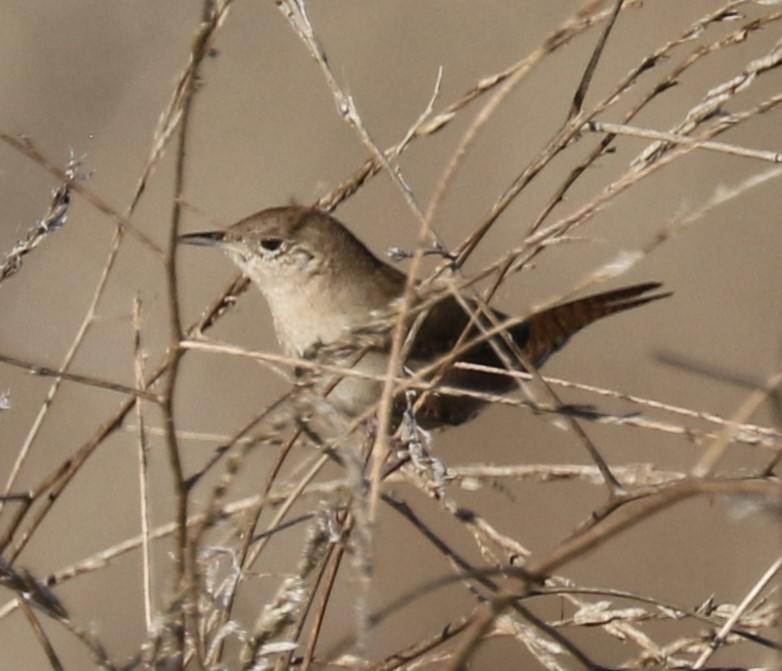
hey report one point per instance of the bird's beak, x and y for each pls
(205, 239)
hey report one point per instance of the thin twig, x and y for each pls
(45, 371)
(54, 219)
(722, 634)
(675, 138)
(143, 471)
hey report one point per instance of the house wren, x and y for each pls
(324, 287)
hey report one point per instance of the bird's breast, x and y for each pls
(305, 319)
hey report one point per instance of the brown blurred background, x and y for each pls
(92, 78)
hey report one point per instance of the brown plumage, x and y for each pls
(324, 286)
(537, 338)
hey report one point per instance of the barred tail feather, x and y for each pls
(544, 333)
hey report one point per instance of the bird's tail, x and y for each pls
(544, 333)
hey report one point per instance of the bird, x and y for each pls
(327, 292)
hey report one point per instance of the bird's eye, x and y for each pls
(271, 244)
